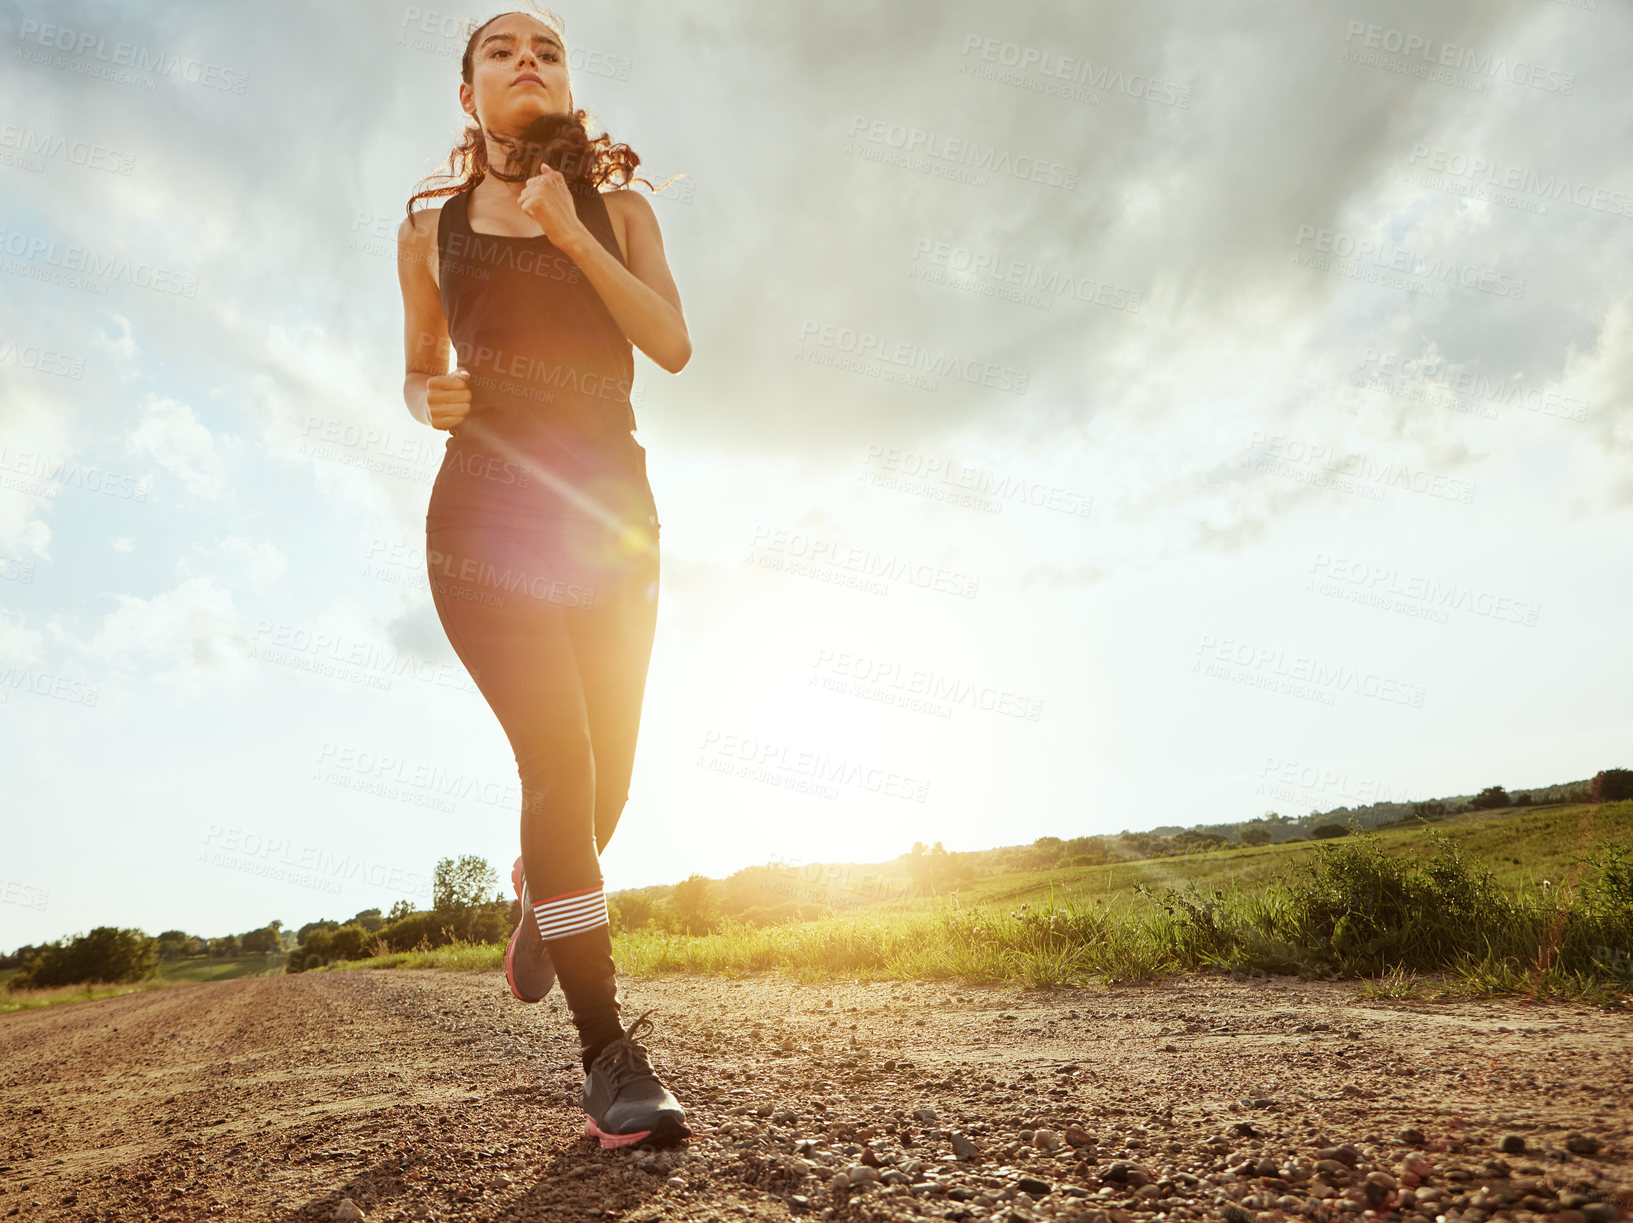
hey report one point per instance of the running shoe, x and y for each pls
(528, 970)
(626, 1102)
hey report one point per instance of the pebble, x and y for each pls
(1581, 1144)
(963, 1148)
(346, 1211)
(676, 1182)
(1511, 1144)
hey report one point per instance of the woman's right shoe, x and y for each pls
(625, 1101)
(528, 970)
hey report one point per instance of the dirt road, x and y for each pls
(431, 1095)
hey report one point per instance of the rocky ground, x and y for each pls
(431, 1095)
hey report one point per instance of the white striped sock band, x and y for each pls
(571, 913)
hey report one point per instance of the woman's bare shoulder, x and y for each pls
(420, 226)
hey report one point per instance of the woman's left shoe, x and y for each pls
(626, 1103)
(528, 970)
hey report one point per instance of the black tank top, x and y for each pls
(548, 438)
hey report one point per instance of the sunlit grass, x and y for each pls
(30, 999)
(1408, 912)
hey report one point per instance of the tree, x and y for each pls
(262, 941)
(1611, 785)
(694, 903)
(1325, 832)
(400, 909)
(630, 911)
(107, 953)
(1491, 798)
(458, 890)
(173, 944)
(369, 919)
(1256, 834)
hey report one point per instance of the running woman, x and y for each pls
(541, 530)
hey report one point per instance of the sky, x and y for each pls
(1100, 416)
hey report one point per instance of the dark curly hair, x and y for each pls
(561, 140)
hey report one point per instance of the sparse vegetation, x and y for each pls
(1516, 897)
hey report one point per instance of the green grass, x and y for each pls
(1454, 908)
(219, 968)
(1412, 911)
(1523, 846)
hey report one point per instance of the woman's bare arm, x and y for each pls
(425, 332)
(642, 298)
(434, 396)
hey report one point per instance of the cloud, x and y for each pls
(18, 642)
(173, 437)
(191, 632)
(263, 563)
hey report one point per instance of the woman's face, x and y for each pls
(518, 72)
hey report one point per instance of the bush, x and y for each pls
(1363, 912)
(1611, 785)
(107, 954)
(1326, 832)
(488, 923)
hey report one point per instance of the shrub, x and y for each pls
(1611, 785)
(107, 954)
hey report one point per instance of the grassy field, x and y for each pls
(1531, 901)
(220, 968)
(1456, 908)
(1522, 847)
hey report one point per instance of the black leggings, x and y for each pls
(555, 627)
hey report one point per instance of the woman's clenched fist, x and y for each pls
(448, 399)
